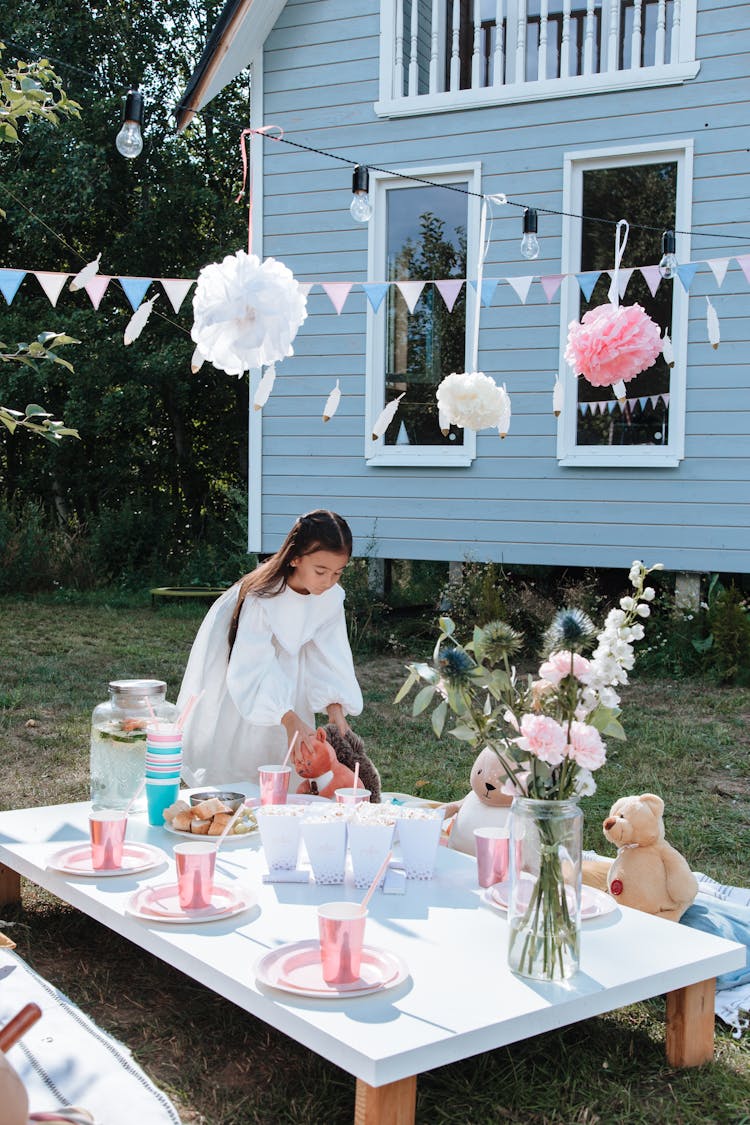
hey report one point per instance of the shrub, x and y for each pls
(730, 630)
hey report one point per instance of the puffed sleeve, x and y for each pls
(260, 690)
(329, 668)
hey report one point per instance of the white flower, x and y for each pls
(648, 594)
(635, 571)
(627, 603)
(643, 611)
(246, 312)
(584, 784)
(472, 400)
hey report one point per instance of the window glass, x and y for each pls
(646, 194)
(425, 241)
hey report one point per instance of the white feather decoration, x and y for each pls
(620, 390)
(667, 350)
(503, 424)
(386, 416)
(444, 422)
(558, 398)
(138, 320)
(712, 323)
(85, 275)
(197, 361)
(332, 403)
(265, 386)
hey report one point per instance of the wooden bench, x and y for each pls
(208, 593)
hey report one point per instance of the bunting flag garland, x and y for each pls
(83, 276)
(608, 405)
(332, 403)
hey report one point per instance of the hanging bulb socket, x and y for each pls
(129, 141)
(530, 242)
(361, 205)
(668, 263)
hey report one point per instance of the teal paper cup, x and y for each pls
(160, 794)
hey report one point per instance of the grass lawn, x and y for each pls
(687, 741)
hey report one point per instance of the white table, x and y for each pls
(460, 998)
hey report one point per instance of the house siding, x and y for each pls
(515, 503)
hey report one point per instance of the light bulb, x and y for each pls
(668, 263)
(361, 205)
(529, 242)
(129, 141)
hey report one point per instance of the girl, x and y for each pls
(270, 653)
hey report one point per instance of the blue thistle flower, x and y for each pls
(455, 664)
(571, 629)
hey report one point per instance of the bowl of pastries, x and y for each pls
(208, 818)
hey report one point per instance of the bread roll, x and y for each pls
(219, 823)
(183, 820)
(206, 809)
(200, 827)
(173, 810)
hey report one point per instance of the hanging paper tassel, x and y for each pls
(265, 386)
(558, 398)
(712, 323)
(620, 393)
(332, 403)
(385, 417)
(503, 424)
(85, 275)
(667, 350)
(197, 360)
(138, 320)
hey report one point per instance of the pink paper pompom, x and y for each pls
(612, 343)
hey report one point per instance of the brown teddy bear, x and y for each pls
(648, 873)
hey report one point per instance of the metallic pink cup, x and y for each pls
(107, 830)
(274, 784)
(492, 855)
(342, 932)
(195, 862)
(352, 796)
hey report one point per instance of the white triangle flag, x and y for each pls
(411, 292)
(521, 286)
(176, 289)
(718, 269)
(52, 284)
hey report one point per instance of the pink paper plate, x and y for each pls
(76, 860)
(594, 903)
(162, 904)
(297, 968)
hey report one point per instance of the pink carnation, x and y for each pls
(586, 746)
(559, 665)
(544, 738)
(612, 343)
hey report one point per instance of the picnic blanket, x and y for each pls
(65, 1059)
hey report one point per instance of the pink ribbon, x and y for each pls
(247, 174)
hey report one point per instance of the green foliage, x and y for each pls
(730, 629)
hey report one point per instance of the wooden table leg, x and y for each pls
(394, 1104)
(690, 1024)
(10, 886)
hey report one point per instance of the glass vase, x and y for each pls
(544, 902)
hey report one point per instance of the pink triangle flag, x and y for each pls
(338, 291)
(521, 285)
(97, 287)
(449, 291)
(665, 399)
(176, 289)
(52, 284)
(551, 283)
(652, 277)
(410, 291)
(718, 268)
(623, 277)
(744, 264)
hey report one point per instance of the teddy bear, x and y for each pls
(485, 805)
(648, 873)
(315, 761)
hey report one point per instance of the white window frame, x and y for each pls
(670, 455)
(377, 453)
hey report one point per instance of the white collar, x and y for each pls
(295, 618)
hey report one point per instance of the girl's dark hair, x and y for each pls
(320, 530)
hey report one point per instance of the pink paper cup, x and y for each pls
(107, 831)
(342, 933)
(195, 862)
(163, 736)
(274, 784)
(352, 796)
(492, 855)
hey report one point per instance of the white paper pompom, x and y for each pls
(472, 400)
(246, 312)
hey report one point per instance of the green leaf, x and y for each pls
(703, 644)
(406, 687)
(423, 699)
(613, 729)
(464, 733)
(439, 716)
(447, 626)
(426, 672)
(33, 410)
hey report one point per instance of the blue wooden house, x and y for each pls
(585, 111)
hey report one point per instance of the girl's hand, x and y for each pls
(294, 725)
(336, 715)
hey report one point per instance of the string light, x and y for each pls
(129, 141)
(361, 205)
(668, 263)
(530, 242)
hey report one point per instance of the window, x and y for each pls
(651, 189)
(421, 233)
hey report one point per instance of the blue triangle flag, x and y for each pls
(611, 406)
(9, 282)
(587, 281)
(489, 285)
(375, 291)
(643, 402)
(686, 274)
(135, 289)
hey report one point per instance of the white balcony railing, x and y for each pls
(450, 54)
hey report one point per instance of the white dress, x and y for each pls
(291, 653)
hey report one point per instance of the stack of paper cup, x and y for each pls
(280, 834)
(419, 837)
(163, 766)
(370, 840)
